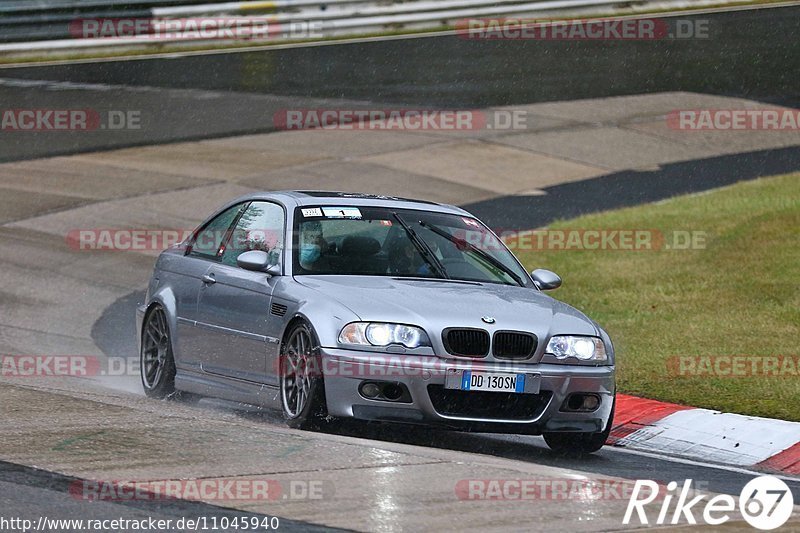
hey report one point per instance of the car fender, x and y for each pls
(326, 315)
(165, 297)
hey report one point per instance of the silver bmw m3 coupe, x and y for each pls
(332, 305)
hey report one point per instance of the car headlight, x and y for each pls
(582, 348)
(382, 334)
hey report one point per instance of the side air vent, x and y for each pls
(278, 309)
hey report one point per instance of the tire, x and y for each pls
(159, 382)
(156, 362)
(302, 388)
(580, 443)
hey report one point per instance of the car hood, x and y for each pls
(435, 305)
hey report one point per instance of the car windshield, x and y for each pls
(372, 241)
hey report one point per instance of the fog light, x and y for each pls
(590, 402)
(370, 390)
(581, 402)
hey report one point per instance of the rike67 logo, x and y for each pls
(765, 503)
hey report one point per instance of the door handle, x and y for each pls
(209, 279)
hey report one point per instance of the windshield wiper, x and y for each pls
(462, 243)
(422, 247)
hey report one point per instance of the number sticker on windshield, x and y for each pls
(342, 212)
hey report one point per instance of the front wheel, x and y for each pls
(580, 443)
(301, 384)
(156, 363)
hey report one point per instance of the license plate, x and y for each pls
(492, 381)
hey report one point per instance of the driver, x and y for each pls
(312, 243)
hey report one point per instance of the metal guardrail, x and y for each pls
(20, 6)
(51, 26)
(30, 20)
(52, 6)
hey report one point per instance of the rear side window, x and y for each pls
(209, 239)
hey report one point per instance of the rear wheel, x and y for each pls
(301, 384)
(579, 443)
(156, 362)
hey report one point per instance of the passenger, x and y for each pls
(405, 260)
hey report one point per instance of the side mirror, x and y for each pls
(257, 261)
(545, 280)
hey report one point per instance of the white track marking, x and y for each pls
(694, 462)
(717, 437)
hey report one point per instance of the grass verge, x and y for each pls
(677, 316)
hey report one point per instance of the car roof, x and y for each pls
(315, 198)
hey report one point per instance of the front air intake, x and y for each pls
(513, 345)
(465, 342)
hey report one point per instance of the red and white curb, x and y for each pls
(712, 436)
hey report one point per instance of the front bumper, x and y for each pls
(424, 378)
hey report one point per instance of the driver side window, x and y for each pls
(260, 227)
